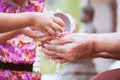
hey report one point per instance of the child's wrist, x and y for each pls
(27, 19)
(32, 18)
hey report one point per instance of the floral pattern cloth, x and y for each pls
(18, 75)
(34, 5)
(21, 48)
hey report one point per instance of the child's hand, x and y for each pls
(35, 34)
(48, 24)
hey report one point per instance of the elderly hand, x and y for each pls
(70, 48)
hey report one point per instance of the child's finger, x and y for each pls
(36, 35)
(56, 27)
(32, 33)
(51, 31)
(59, 21)
(45, 31)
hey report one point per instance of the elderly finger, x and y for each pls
(64, 40)
(56, 48)
(47, 52)
(60, 48)
(52, 53)
(61, 61)
(47, 56)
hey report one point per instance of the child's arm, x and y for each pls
(26, 31)
(10, 22)
(43, 22)
(7, 35)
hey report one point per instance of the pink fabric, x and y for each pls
(20, 49)
(108, 75)
(34, 5)
(18, 75)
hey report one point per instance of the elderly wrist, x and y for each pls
(93, 38)
(97, 40)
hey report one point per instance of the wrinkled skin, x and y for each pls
(70, 48)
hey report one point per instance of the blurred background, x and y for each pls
(92, 16)
(67, 6)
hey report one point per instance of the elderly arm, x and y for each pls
(7, 35)
(107, 55)
(109, 43)
(77, 46)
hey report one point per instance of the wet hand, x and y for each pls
(70, 48)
